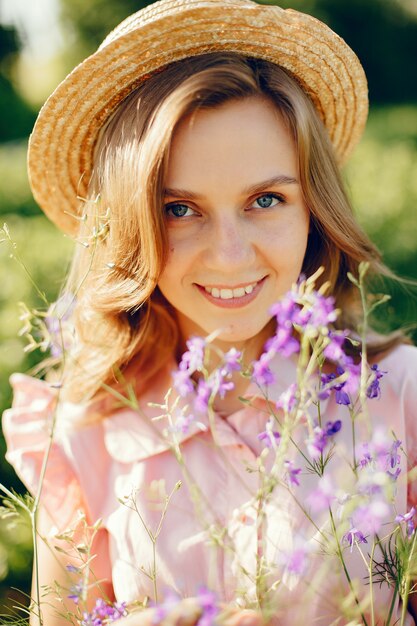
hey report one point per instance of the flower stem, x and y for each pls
(342, 560)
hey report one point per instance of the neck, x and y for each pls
(251, 351)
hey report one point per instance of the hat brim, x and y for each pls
(61, 147)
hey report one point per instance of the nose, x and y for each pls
(230, 245)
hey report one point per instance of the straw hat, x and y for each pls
(62, 144)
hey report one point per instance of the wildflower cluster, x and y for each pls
(305, 311)
(340, 471)
(104, 613)
(208, 385)
(321, 438)
(360, 503)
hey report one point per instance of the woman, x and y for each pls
(195, 159)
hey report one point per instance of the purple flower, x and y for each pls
(385, 453)
(231, 362)
(320, 439)
(374, 390)
(182, 423)
(261, 373)
(89, 619)
(382, 452)
(370, 517)
(182, 382)
(76, 592)
(163, 609)
(340, 388)
(407, 518)
(288, 398)
(208, 603)
(205, 388)
(365, 455)
(354, 536)
(283, 343)
(343, 390)
(352, 382)
(324, 310)
(341, 396)
(201, 401)
(319, 312)
(380, 444)
(193, 359)
(393, 456)
(224, 385)
(296, 561)
(316, 443)
(104, 613)
(269, 437)
(292, 473)
(205, 598)
(322, 497)
(119, 609)
(285, 309)
(73, 569)
(334, 350)
(332, 428)
(394, 475)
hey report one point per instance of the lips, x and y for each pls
(231, 297)
(227, 293)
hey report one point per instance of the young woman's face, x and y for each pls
(237, 224)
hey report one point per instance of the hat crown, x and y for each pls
(165, 8)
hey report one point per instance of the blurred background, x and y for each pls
(41, 41)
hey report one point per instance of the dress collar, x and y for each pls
(132, 435)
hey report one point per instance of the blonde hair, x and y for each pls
(122, 321)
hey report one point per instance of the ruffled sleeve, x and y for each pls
(27, 430)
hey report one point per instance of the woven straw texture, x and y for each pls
(61, 147)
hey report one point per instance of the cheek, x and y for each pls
(286, 245)
(177, 264)
(182, 249)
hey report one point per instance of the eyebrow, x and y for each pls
(281, 179)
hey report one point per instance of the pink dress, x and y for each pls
(208, 536)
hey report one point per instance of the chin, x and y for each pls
(237, 335)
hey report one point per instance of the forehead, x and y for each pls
(241, 138)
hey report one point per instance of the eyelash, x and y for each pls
(276, 196)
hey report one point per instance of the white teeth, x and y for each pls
(228, 294)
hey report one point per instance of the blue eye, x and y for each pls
(267, 200)
(178, 210)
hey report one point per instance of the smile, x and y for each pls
(228, 294)
(232, 297)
